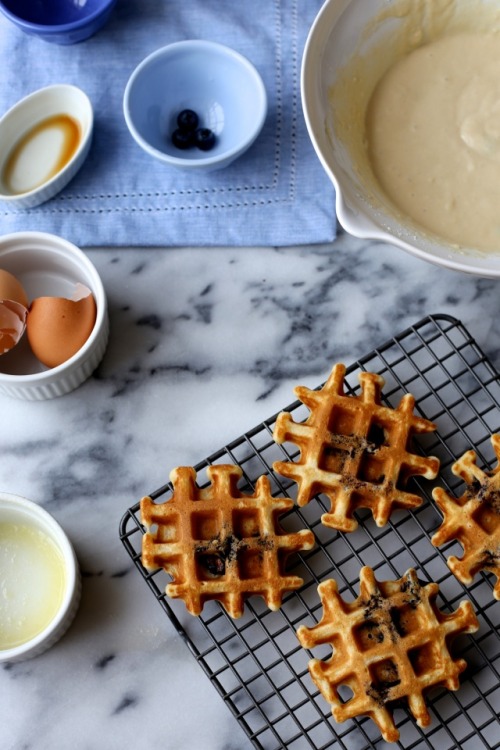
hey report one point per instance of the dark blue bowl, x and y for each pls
(59, 21)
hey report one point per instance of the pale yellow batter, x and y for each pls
(433, 137)
(415, 108)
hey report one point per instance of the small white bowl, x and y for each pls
(45, 139)
(21, 512)
(47, 265)
(215, 81)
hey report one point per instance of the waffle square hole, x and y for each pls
(345, 693)
(423, 659)
(378, 435)
(333, 458)
(246, 523)
(250, 564)
(205, 526)
(487, 517)
(210, 565)
(371, 469)
(343, 422)
(384, 675)
(368, 635)
(405, 620)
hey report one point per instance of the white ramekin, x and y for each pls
(47, 265)
(16, 509)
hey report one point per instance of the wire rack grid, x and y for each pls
(256, 662)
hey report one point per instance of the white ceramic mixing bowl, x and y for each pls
(341, 27)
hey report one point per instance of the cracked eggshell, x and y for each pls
(12, 289)
(48, 265)
(13, 311)
(58, 327)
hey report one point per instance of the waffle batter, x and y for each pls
(433, 137)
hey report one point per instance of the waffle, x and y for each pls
(354, 450)
(389, 645)
(473, 519)
(218, 543)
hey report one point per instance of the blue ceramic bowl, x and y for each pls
(219, 84)
(59, 21)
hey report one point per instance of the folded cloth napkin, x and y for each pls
(275, 194)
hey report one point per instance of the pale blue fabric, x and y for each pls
(276, 194)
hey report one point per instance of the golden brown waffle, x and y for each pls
(473, 519)
(389, 645)
(354, 450)
(218, 543)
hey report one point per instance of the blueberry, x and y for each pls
(183, 138)
(187, 119)
(204, 139)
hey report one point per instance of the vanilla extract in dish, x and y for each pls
(41, 153)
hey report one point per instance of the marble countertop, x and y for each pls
(205, 344)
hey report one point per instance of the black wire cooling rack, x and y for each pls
(256, 662)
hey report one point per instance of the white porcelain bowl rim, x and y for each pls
(350, 212)
(27, 509)
(188, 44)
(66, 92)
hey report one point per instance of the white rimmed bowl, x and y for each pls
(47, 265)
(42, 163)
(340, 28)
(215, 81)
(18, 510)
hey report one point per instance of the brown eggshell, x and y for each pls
(12, 289)
(12, 324)
(57, 327)
(13, 311)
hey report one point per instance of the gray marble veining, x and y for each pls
(205, 343)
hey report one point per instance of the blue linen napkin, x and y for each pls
(275, 194)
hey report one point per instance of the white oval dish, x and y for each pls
(34, 134)
(47, 265)
(22, 512)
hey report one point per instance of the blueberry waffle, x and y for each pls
(389, 645)
(217, 542)
(354, 450)
(473, 519)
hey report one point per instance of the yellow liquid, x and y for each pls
(32, 583)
